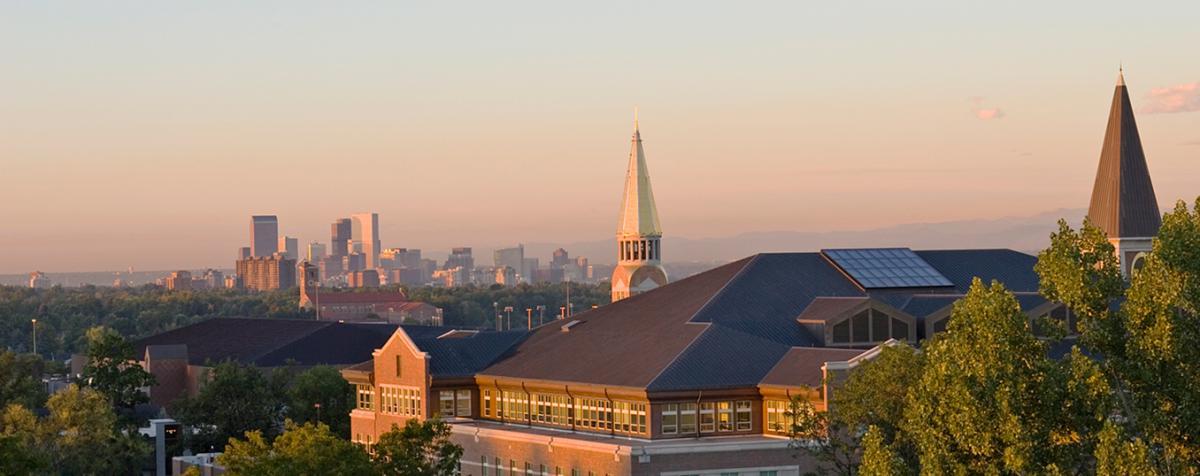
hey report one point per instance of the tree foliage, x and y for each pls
(236, 399)
(310, 448)
(421, 448)
(21, 380)
(112, 369)
(324, 386)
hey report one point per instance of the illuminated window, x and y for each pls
(777, 416)
(743, 415)
(365, 396)
(724, 416)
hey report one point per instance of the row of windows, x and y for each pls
(560, 410)
(638, 250)
(869, 326)
(398, 400)
(498, 468)
(454, 403)
(714, 417)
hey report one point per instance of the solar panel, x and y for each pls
(887, 268)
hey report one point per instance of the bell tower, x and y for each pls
(639, 251)
(1123, 201)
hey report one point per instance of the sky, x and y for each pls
(145, 134)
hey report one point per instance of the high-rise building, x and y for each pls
(364, 237)
(290, 247)
(460, 256)
(179, 281)
(1123, 201)
(264, 235)
(513, 258)
(38, 280)
(339, 237)
(392, 258)
(244, 252)
(315, 252)
(267, 273)
(639, 255)
(367, 278)
(559, 258)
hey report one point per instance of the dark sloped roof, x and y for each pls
(336, 344)
(465, 355)
(802, 366)
(346, 297)
(1123, 201)
(1013, 268)
(825, 308)
(626, 343)
(233, 338)
(730, 327)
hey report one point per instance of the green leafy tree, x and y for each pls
(237, 399)
(1117, 455)
(112, 370)
(878, 458)
(990, 401)
(1149, 347)
(21, 379)
(421, 448)
(323, 386)
(310, 448)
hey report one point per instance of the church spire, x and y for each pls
(1123, 201)
(639, 215)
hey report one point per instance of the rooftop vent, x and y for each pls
(567, 327)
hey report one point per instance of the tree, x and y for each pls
(237, 399)
(324, 386)
(21, 380)
(873, 395)
(421, 448)
(990, 401)
(1149, 345)
(301, 449)
(1116, 455)
(878, 457)
(111, 369)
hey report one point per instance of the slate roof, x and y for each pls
(1123, 201)
(346, 297)
(731, 326)
(465, 355)
(802, 366)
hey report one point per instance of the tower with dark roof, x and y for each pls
(1123, 201)
(639, 253)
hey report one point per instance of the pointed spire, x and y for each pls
(1123, 201)
(639, 215)
(1120, 76)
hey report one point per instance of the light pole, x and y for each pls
(496, 312)
(529, 317)
(508, 316)
(541, 313)
(318, 407)
(34, 336)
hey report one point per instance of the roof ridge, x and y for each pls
(708, 325)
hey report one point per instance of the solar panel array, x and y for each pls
(876, 268)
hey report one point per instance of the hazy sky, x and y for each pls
(146, 133)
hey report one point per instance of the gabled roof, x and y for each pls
(349, 297)
(639, 214)
(1123, 201)
(823, 309)
(234, 338)
(465, 354)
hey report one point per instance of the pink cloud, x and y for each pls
(1179, 98)
(982, 113)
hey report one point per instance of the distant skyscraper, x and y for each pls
(267, 273)
(364, 236)
(339, 237)
(264, 235)
(290, 247)
(315, 253)
(460, 256)
(38, 280)
(560, 258)
(244, 252)
(513, 258)
(639, 259)
(1123, 201)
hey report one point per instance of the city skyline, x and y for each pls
(782, 130)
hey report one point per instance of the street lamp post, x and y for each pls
(34, 336)
(541, 308)
(496, 312)
(508, 316)
(318, 407)
(529, 318)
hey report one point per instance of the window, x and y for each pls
(446, 402)
(899, 329)
(541, 469)
(397, 365)
(462, 405)
(399, 400)
(860, 327)
(515, 406)
(777, 416)
(724, 416)
(940, 326)
(558, 471)
(512, 467)
(528, 468)
(499, 467)
(552, 409)
(483, 465)
(841, 332)
(707, 417)
(594, 413)
(670, 419)
(629, 417)
(879, 326)
(768, 473)
(365, 396)
(487, 403)
(687, 418)
(743, 415)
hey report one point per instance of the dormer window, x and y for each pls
(856, 321)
